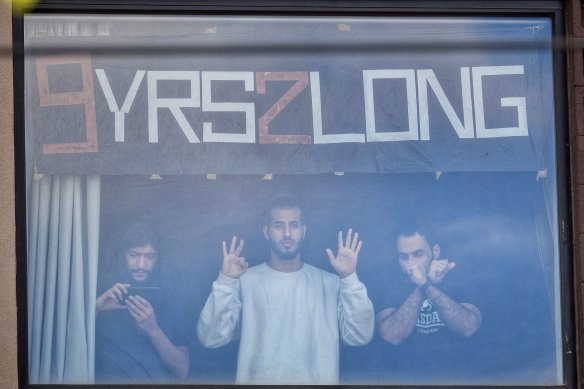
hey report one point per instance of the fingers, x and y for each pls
(117, 294)
(232, 246)
(142, 302)
(239, 248)
(330, 255)
(358, 248)
(439, 264)
(242, 264)
(133, 311)
(139, 305)
(352, 241)
(119, 290)
(442, 265)
(355, 241)
(134, 305)
(439, 268)
(138, 314)
(233, 249)
(348, 241)
(133, 308)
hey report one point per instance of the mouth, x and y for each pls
(287, 244)
(140, 275)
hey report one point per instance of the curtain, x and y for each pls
(63, 240)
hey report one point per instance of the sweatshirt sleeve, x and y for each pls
(355, 312)
(220, 319)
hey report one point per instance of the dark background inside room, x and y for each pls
(493, 225)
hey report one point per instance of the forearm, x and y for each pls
(396, 325)
(356, 313)
(175, 358)
(463, 319)
(220, 318)
(99, 305)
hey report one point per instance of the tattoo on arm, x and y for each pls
(461, 318)
(395, 325)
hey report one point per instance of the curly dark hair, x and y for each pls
(139, 234)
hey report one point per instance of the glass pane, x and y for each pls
(153, 140)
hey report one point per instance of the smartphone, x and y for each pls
(150, 293)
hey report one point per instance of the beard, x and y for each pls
(140, 277)
(286, 253)
(149, 280)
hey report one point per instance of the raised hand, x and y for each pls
(345, 262)
(438, 269)
(113, 298)
(233, 265)
(143, 312)
(416, 272)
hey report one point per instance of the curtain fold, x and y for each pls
(63, 250)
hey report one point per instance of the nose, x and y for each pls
(287, 232)
(141, 262)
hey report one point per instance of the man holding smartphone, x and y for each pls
(134, 344)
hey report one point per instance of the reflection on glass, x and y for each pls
(150, 141)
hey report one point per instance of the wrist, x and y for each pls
(100, 305)
(228, 273)
(424, 287)
(344, 275)
(153, 331)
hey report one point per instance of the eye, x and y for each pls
(419, 253)
(277, 226)
(132, 254)
(151, 256)
(403, 257)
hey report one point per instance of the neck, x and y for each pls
(285, 265)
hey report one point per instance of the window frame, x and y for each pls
(427, 8)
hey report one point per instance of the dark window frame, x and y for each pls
(456, 8)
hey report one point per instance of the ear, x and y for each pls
(303, 231)
(265, 231)
(436, 251)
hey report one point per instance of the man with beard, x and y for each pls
(136, 338)
(288, 315)
(421, 316)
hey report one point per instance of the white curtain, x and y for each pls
(63, 240)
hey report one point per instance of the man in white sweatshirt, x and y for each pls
(288, 314)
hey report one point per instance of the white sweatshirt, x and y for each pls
(289, 323)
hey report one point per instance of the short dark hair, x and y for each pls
(415, 226)
(286, 201)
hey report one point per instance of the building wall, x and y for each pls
(8, 344)
(8, 326)
(575, 26)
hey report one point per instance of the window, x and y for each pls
(152, 139)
